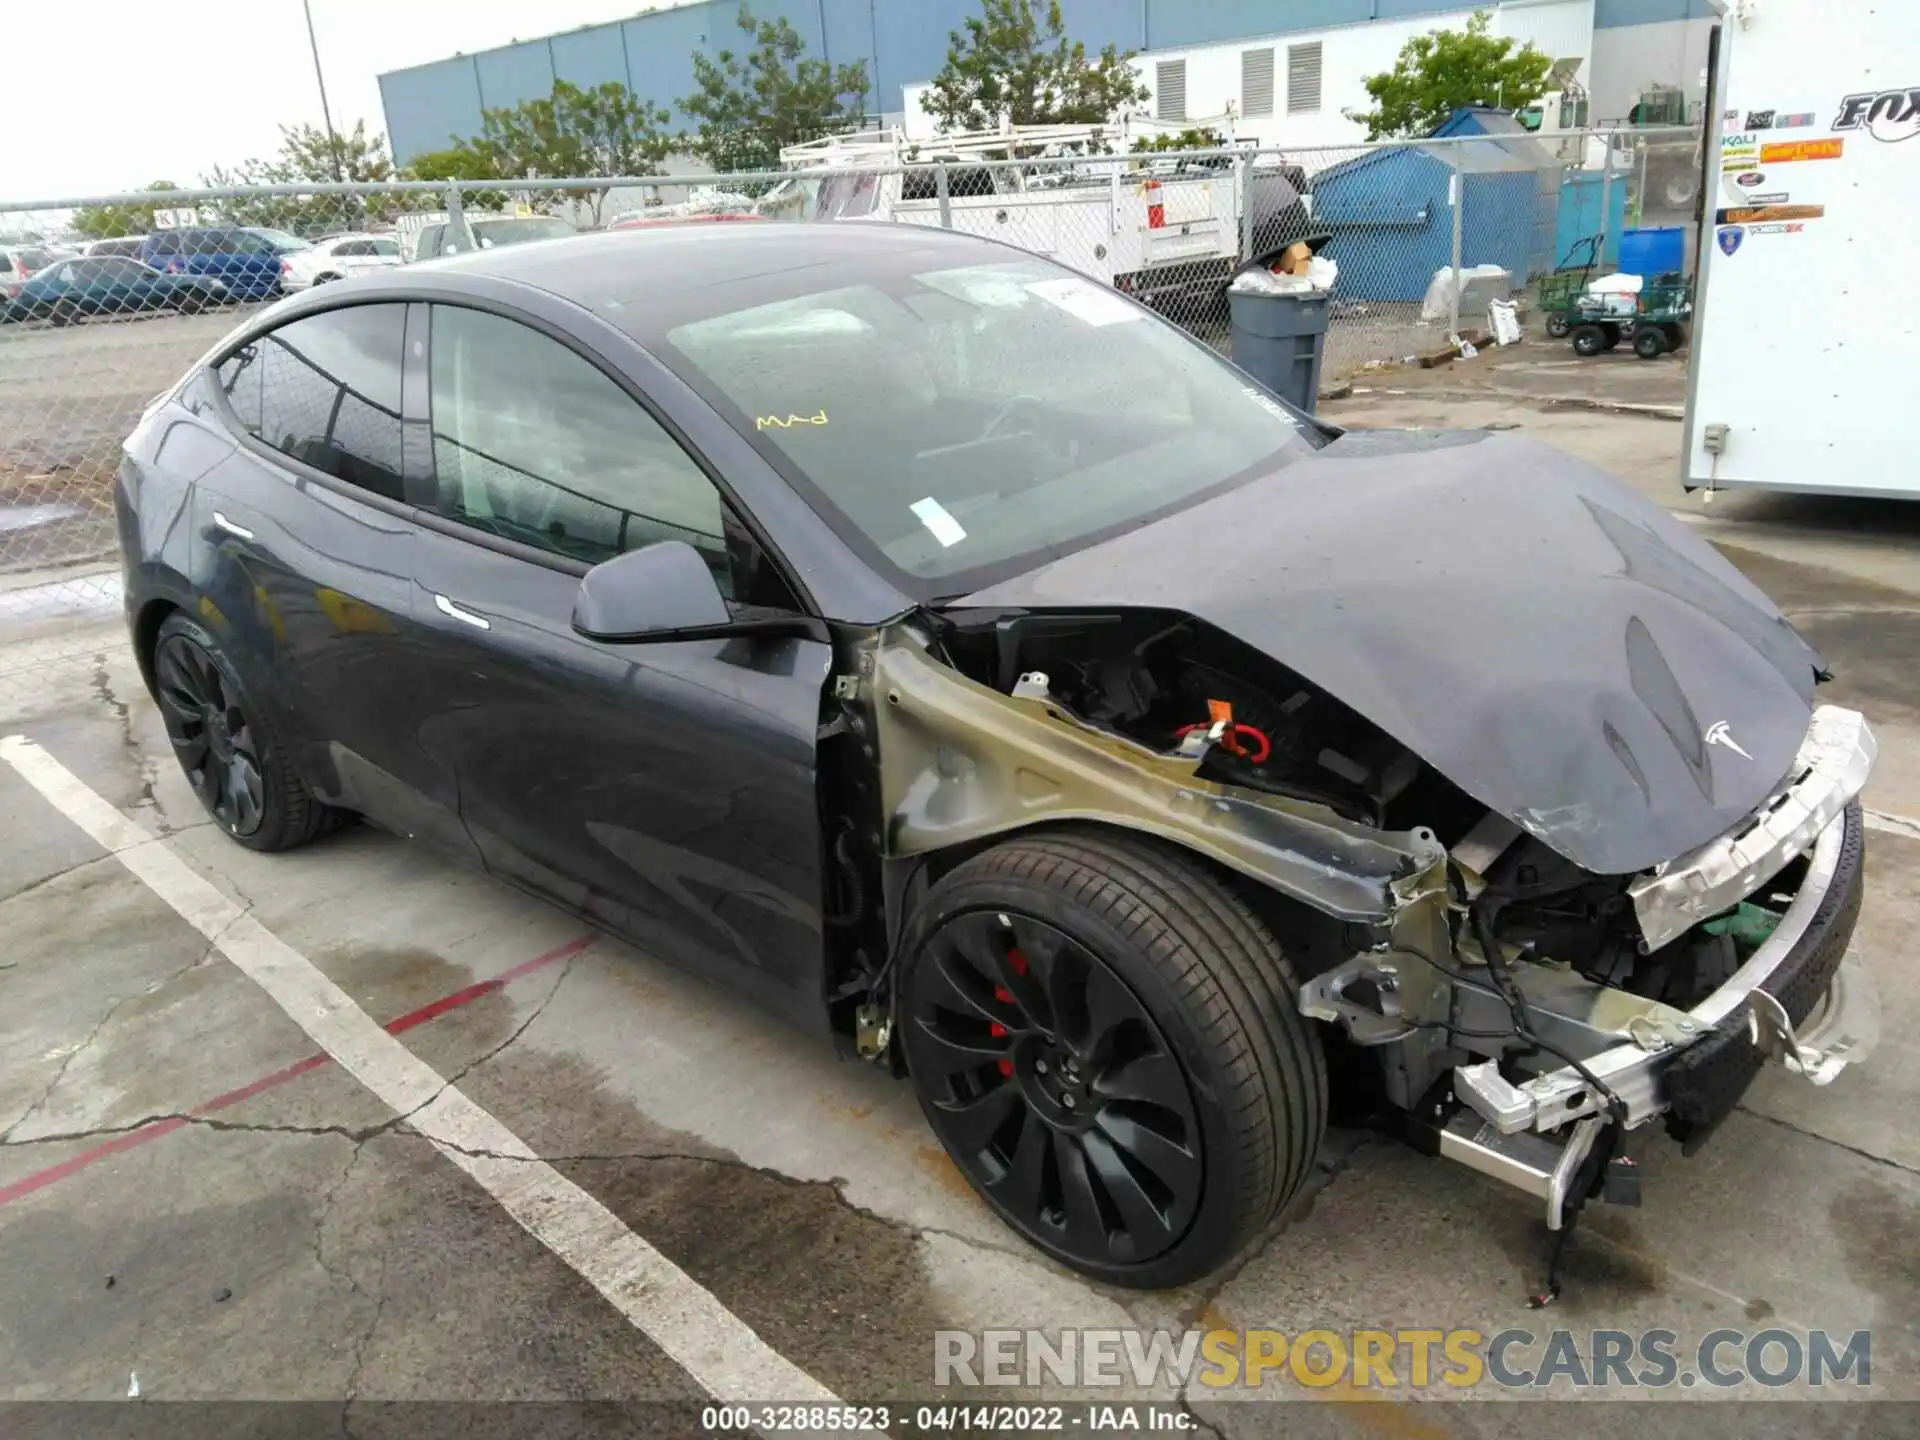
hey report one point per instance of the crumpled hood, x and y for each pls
(1563, 650)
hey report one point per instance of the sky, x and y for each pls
(112, 95)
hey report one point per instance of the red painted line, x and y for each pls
(40, 1179)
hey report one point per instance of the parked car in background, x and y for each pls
(71, 290)
(128, 245)
(17, 262)
(441, 237)
(245, 261)
(335, 258)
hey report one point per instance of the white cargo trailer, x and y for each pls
(1807, 304)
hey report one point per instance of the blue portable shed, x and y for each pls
(1390, 217)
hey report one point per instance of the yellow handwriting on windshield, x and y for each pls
(764, 422)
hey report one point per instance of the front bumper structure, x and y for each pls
(1800, 998)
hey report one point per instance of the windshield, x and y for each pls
(517, 232)
(957, 421)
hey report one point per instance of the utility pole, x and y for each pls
(326, 114)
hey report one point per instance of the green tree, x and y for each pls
(573, 133)
(1441, 71)
(459, 161)
(106, 222)
(751, 105)
(1015, 63)
(308, 156)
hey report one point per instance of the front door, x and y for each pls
(666, 789)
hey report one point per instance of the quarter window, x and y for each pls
(326, 391)
(533, 443)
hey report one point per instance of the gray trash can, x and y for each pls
(1278, 339)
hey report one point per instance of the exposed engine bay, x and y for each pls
(1521, 1014)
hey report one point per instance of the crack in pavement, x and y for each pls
(144, 768)
(1886, 1160)
(66, 1063)
(358, 1136)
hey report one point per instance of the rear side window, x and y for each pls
(382, 247)
(326, 391)
(429, 243)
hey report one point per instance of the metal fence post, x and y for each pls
(1606, 201)
(1246, 205)
(457, 217)
(1457, 187)
(946, 197)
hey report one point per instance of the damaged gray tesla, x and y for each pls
(947, 651)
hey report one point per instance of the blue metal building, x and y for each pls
(1391, 214)
(904, 42)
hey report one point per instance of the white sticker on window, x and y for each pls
(942, 526)
(1085, 300)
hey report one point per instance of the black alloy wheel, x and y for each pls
(1558, 326)
(1046, 1070)
(1589, 340)
(1649, 342)
(1106, 1038)
(226, 745)
(210, 734)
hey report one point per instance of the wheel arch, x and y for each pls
(146, 634)
(1314, 938)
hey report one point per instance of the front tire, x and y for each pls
(1106, 1040)
(1558, 326)
(1649, 343)
(1589, 340)
(226, 745)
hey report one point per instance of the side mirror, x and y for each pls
(652, 593)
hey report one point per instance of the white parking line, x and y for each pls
(712, 1344)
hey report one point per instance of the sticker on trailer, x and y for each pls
(1800, 120)
(1889, 115)
(1741, 159)
(1751, 215)
(1730, 239)
(1787, 151)
(1749, 180)
(1086, 301)
(1759, 119)
(1731, 142)
(1793, 229)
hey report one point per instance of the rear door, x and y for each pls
(668, 789)
(305, 547)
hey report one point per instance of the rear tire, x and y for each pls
(1588, 340)
(1649, 343)
(226, 744)
(1078, 962)
(1558, 326)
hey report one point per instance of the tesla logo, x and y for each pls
(1719, 734)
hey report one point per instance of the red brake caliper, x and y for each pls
(1005, 997)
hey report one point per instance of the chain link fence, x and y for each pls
(105, 302)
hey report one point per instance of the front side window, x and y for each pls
(960, 424)
(329, 393)
(382, 247)
(533, 443)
